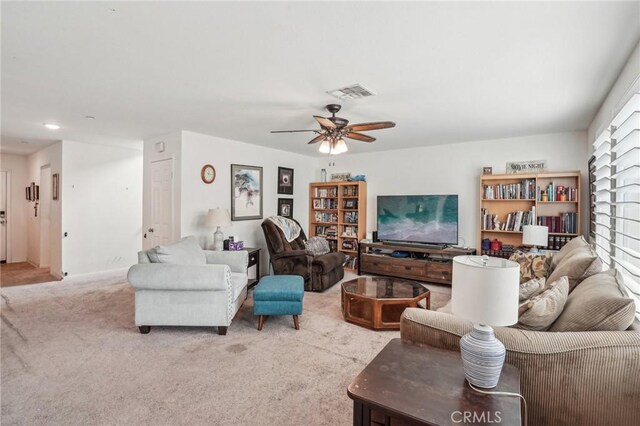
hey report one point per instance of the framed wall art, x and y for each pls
(285, 181)
(246, 192)
(285, 207)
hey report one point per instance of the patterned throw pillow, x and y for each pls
(540, 312)
(532, 288)
(317, 246)
(532, 265)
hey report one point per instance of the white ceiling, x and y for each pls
(444, 72)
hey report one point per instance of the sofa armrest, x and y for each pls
(166, 276)
(237, 260)
(566, 377)
(292, 253)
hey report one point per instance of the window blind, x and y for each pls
(617, 195)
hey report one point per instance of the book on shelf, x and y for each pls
(326, 217)
(525, 190)
(325, 192)
(564, 223)
(554, 192)
(325, 204)
(351, 262)
(514, 221)
(350, 231)
(327, 231)
(351, 217)
(350, 191)
(349, 245)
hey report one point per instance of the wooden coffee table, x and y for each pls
(378, 302)
(409, 384)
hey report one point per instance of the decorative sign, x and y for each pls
(338, 177)
(536, 166)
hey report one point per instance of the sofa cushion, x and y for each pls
(580, 263)
(532, 265)
(238, 283)
(317, 246)
(575, 243)
(599, 303)
(541, 311)
(187, 251)
(532, 288)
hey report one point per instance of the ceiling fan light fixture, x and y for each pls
(340, 147)
(325, 147)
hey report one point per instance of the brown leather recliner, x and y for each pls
(291, 258)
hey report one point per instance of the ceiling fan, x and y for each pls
(333, 129)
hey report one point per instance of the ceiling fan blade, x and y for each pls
(359, 137)
(363, 127)
(317, 139)
(292, 131)
(325, 122)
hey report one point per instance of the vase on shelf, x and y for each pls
(323, 175)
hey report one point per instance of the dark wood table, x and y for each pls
(254, 260)
(378, 302)
(409, 384)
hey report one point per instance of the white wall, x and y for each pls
(172, 150)
(198, 197)
(51, 156)
(102, 214)
(17, 215)
(626, 84)
(455, 169)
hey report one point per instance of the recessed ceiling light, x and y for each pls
(89, 117)
(51, 126)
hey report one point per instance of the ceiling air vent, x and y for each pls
(355, 91)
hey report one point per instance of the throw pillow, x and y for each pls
(599, 303)
(575, 243)
(187, 251)
(532, 288)
(532, 265)
(580, 263)
(317, 246)
(541, 311)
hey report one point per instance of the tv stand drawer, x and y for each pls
(439, 271)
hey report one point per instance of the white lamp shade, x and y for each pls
(325, 147)
(218, 217)
(339, 147)
(535, 235)
(485, 290)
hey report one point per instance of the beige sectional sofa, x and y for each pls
(585, 368)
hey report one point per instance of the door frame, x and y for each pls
(8, 231)
(45, 193)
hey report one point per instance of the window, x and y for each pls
(617, 195)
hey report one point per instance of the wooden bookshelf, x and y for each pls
(503, 206)
(333, 205)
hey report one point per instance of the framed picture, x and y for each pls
(285, 207)
(487, 170)
(285, 181)
(54, 185)
(27, 193)
(246, 192)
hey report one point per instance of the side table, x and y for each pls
(420, 385)
(254, 260)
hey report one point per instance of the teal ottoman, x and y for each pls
(278, 295)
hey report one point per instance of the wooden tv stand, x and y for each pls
(428, 264)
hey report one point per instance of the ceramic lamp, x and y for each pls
(535, 235)
(215, 219)
(484, 291)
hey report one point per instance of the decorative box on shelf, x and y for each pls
(236, 245)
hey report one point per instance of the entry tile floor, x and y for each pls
(12, 274)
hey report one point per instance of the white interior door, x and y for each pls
(161, 223)
(3, 216)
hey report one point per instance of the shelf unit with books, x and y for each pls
(509, 201)
(338, 212)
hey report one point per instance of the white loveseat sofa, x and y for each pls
(182, 285)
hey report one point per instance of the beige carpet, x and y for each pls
(72, 355)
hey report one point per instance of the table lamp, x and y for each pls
(215, 219)
(484, 291)
(535, 235)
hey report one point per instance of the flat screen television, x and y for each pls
(427, 219)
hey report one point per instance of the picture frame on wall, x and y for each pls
(285, 181)
(246, 192)
(55, 182)
(285, 207)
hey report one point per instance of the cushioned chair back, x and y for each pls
(277, 243)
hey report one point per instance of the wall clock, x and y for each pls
(208, 173)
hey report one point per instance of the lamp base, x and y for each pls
(218, 240)
(482, 356)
